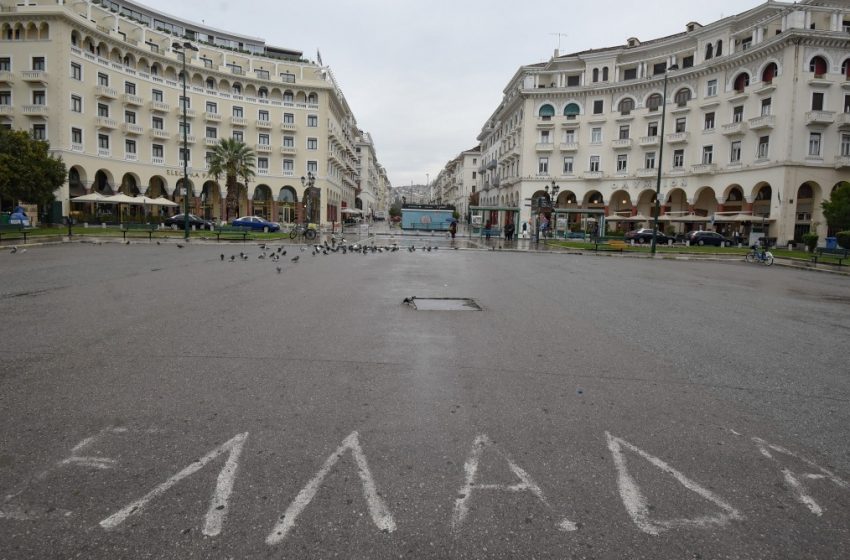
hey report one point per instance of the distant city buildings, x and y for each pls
(756, 128)
(102, 82)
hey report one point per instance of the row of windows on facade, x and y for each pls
(680, 124)
(815, 150)
(681, 98)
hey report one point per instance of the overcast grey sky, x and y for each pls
(422, 77)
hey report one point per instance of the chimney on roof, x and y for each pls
(557, 53)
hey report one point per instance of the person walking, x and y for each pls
(509, 231)
(487, 227)
(453, 228)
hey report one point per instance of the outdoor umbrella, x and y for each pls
(91, 197)
(162, 201)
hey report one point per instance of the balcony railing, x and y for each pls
(288, 150)
(263, 123)
(105, 92)
(569, 146)
(76, 147)
(159, 133)
(190, 113)
(842, 161)
(263, 148)
(262, 171)
(130, 99)
(34, 110)
(650, 140)
(763, 122)
(36, 76)
(131, 157)
(238, 121)
(820, 117)
(212, 142)
(158, 161)
(105, 122)
(677, 137)
(132, 128)
(734, 129)
(622, 143)
(646, 172)
(545, 147)
(160, 107)
(213, 117)
(190, 139)
(842, 120)
(104, 152)
(592, 175)
(292, 126)
(7, 77)
(704, 169)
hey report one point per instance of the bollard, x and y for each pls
(669, 242)
(687, 243)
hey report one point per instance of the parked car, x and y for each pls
(255, 223)
(380, 215)
(708, 238)
(177, 222)
(644, 235)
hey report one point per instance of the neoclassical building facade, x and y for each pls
(757, 126)
(102, 82)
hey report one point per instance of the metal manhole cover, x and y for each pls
(443, 304)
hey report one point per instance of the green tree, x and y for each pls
(28, 172)
(837, 209)
(233, 160)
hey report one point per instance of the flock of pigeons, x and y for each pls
(276, 254)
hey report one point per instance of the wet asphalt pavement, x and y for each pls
(159, 402)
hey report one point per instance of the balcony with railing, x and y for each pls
(159, 133)
(159, 107)
(134, 100)
(291, 127)
(622, 144)
(545, 146)
(105, 122)
(843, 120)
(734, 129)
(262, 171)
(211, 141)
(820, 117)
(132, 128)
(34, 110)
(842, 161)
(190, 113)
(650, 140)
(131, 157)
(677, 138)
(7, 77)
(104, 152)
(288, 150)
(763, 122)
(263, 123)
(263, 148)
(77, 147)
(569, 146)
(212, 117)
(238, 121)
(190, 138)
(158, 161)
(592, 175)
(35, 76)
(105, 92)
(704, 169)
(646, 172)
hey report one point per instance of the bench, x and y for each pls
(614, 245)
(138, 228)
(838, 254)
(492, 232)
(13, 231)
(231, 232)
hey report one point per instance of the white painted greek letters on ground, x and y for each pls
(470, 467)
(381, 516)
(219, 502)
(793, 480)
(95, 462)
(635, 501)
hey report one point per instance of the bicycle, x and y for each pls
(300, 230)
(760, 254)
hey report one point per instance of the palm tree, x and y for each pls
(235, 161)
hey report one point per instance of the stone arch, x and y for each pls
(77, 180)
(845, 69)
(236, 88)
(129, 60)
(807, 209)
(705, 201)
(102, 50)
(646, 202)
(130, 183)
(654, 101)
(263, 92)
(676, 200)
(619, 203)
(626, 105)
(263, 202)
(741, 81)
(593, 199)
(572, 110)
(31, 32)
(224, 85)
(211, 206)
(76, 38)
(313, 98)
(179, 186)
(288, 96)
(104, 182)
(210, 83)
(769, 71)
(43, 31)
(762, 195)
(683, 95)
(143, 65)
(733, 198)
(158, 187)
(566, 199)
(819, 65)
(250, 90)
(170, 73)
(546, 111)
(301, 97)
(156, 69)
(276, 94)
(115, 55)
(197, 80)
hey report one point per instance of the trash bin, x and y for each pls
(4, 218)
(832, 243)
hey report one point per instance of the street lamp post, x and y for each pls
(660, 158)
(552, 192)
(182, 48)
(309, 183)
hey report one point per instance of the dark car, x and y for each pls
(176, 222)
(255, 223)
(645, 236)
(708, 238)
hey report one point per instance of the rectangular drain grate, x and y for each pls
(445, 304)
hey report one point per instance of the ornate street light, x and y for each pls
(552, 193)
(182, 48)
(660, 157)
(309, 183)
